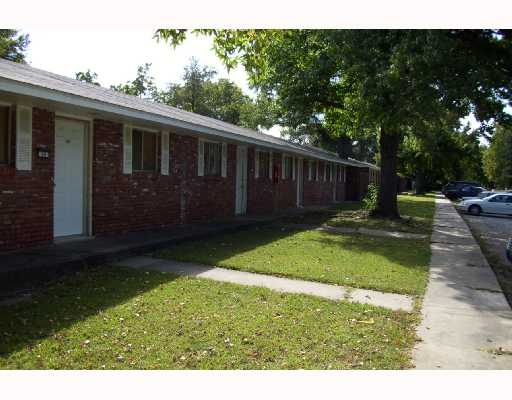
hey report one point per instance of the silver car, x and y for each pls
(498, 203)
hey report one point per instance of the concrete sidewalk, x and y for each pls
(467, 322)
(331, 292)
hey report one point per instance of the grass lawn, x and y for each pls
(387, 264)
(117, 318)
(417, 215)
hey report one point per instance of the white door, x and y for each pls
(241, 180)
(300, 183)
(68, 199)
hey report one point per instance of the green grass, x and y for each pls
(118, 318)
(386, 264)
(417, 213)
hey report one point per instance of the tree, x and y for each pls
(498, 158)
(13, 45)
(393, 82)
(88, 77)
(221, 99)
(142, 86)
(445, 155)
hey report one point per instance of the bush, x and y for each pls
(370, 200)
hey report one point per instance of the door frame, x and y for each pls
(88, 154)
(243, 210)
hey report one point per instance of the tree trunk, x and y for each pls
(387, 202)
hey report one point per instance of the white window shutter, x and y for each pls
(344, 174)
(256, 163)
(282, 165)
(164, 169)
(270, 164)
(200, 157)
(293, 168)
(224, 163)
(127, 149)
(23, 138)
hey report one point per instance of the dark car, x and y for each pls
(453, 190)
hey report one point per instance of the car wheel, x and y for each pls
(475, 210)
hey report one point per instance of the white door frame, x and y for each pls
(241, 180)
(87, 170)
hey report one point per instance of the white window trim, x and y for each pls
(165, 157)
(29, 136)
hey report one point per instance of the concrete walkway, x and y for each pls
(467, 322)
(350, 230)
(332, 292)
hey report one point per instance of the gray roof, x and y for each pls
(33, 77)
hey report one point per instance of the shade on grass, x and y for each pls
(386, 264)
(121, 318)
(417, 215)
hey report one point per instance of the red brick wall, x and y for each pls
(26, 197)
(264, 195)
(317, 192)
(144, 200)
(141, 200)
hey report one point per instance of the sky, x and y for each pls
(67, 50)
(115, 53)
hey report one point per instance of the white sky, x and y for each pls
(115, 53)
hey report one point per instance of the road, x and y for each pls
(492, 232)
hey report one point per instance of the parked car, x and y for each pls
(483, 194)
(499, 203)
(452, 190)
(509, 250)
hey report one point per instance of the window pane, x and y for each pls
(212, 158)
(263, 164)
(4, 135)
(149, 151)
(137, 150)
(288, 167)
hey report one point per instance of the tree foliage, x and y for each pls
(221, 99)
(142, 86)
(88, 77)
(498, 158)
(394, 82)
(13, 45)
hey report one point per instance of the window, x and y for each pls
(4, 134)
(287, 167)
(501, 199)
(263, 164)
(312, 170)
(144, 150)
(212, 158)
